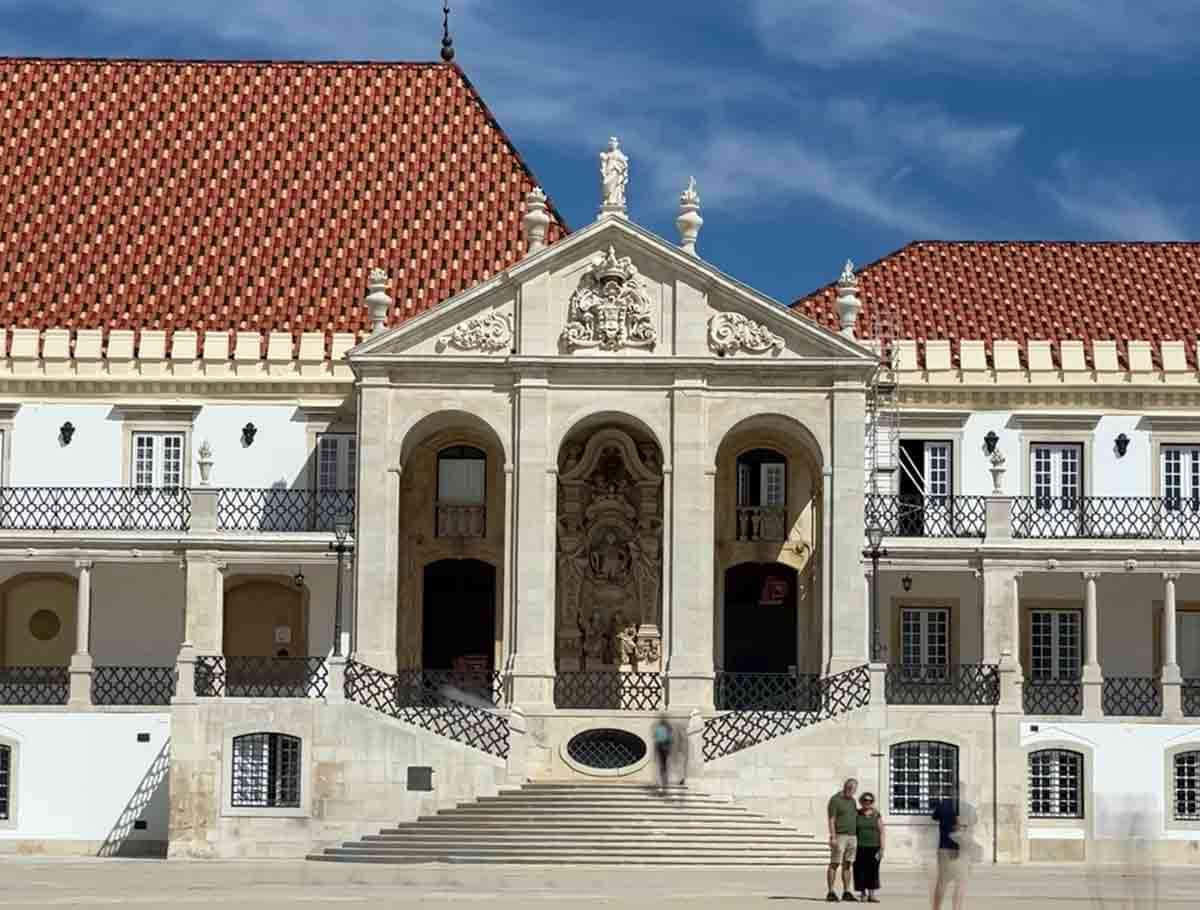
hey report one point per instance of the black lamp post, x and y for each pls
(874, 551)
(341, 530)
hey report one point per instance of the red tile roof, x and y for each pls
(246, 196)
(1017, 291)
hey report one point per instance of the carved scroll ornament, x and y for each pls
(489, 333)
(731, 332)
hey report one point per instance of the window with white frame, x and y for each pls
(1186, 786)
(1187, 638)
(462, 476)
(1055, 784)
(1055, 645)
(337, 461)
(6, 764)
(761, 479)
(926, 468)
(157, 461)
(925, 639)
(1056, 472)
(265, 771)
(1180, 473)
(922, 774)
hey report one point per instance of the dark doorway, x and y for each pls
(460, 615)
(760, 618)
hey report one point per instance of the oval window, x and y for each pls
(606, 749)
(44, 625)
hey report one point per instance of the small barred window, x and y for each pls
(1055, 784)
(266, 771)
(922, 775)
(5, 782)
(1187, 786)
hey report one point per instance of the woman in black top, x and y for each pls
(870, 849)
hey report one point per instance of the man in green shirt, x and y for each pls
(843, 839)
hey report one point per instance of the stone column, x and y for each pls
(377, 533)
(81, 660)
(1002, 631)
(534, 547)
(845, 534)
(1172, 678)
(664, 629)
(826, 561)
(693, 548)
(1093, 676)
(204, 627)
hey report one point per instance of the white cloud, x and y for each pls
(1112, 204)
(1038, 34)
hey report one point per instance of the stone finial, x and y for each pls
(536, 220)
(997, 468)
(848, 304)
(379, 304)
(689, 221)
(206, 463)
(614, 180)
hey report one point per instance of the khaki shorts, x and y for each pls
(843, 849)
(952, 866)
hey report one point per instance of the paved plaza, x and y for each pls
(28, 883)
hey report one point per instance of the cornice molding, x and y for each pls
(1051, 420)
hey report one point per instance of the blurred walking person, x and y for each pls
(664, 740)
(956, 848)
(870, 849)
(843, 840)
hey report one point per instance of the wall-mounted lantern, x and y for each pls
(990, 441)
(298, 578)
(249, 431)
(1122, 445)
(906, 582)
(65, 433)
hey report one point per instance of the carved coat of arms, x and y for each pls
(611, 307)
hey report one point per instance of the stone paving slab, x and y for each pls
(27, 883)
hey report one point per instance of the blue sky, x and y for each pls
(817, 129)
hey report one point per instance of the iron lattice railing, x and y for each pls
(94, 509)
(430, 688)
(34, 685)
(261, 677)
(928, 516)
(736, 730)
(1190, 694)
(479, 728)
(767, 691)
(1132, 696)
(247, 509)
(133, 685)
(942, 684)
(1052, 696)
(1106, 517)
(610, 689)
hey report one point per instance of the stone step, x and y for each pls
(630, 806)
(579, 854)
(670, 838)
(593, 817)
(517, 859)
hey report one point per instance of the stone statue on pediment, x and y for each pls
(614, 176)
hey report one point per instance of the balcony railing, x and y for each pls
(280, 510)
(942, 684)
(94, 509)
(768, 523)
(456, 520)
(430, 688)
(609, 689)
(767, 691)
(133, 685)
(1062, 696)
(1106, 517)
(261, 677)
(1190, 695)
(902, 515)
(34, 685)
(1132, 696)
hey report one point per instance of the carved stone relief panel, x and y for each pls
(609, 554)
(611, 308)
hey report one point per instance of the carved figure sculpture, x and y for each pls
(626, 645)
(614, 175)
(610, 562)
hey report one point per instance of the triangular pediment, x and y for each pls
(614, 291)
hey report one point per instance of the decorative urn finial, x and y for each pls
(379, 304)
(206, 463)
(689, 221)
(536, 220)
(614, 180)
(848, 304)
(997, 468)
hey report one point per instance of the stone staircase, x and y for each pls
(607, 824)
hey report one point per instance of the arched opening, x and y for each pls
(37, 621)
(761, 619)
(265, 618)
(459, 616)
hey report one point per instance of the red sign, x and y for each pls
(774, 591)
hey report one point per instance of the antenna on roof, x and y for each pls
(447, 41)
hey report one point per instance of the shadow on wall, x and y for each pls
(148, 803)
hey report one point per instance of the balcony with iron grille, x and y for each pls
(1106, 518)
(942, 684)
(902, 515)
(1062, 696)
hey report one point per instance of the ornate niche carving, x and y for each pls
(610, 309)
(489, 333)
(609, 555)
(729, 333)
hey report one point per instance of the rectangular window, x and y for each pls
(266, 771)
(1055, 784)
(157, 461)
(1187, 642)
(772, 494)
(1187, 786)
(1055, 645)
(926, 468)
(1181, 477)
(1057, 475)
(922, 775)
(925, 637)
(337, 462)
(462, 481)
(5, 781)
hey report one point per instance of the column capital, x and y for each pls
(85, 564)
(1170, 576)
(1090, 575)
